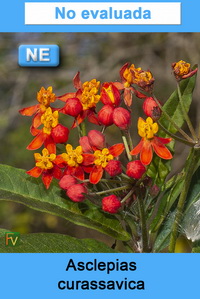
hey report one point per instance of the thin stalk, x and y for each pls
(187, 119)
(128, 195)
(194, 156)
(176, 137)
(79, 129)
(126, 146)
(111, 190)
(145, 239)
(172, 122)
(103, 180)
(83, 128)
(129, 140)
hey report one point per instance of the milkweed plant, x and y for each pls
(125, 190)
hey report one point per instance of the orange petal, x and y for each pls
(96, 174)
(37, 142)
(161, 150)
(66, 96)
(146, 153)
(119, 85)
(34, 131)
(77, 81)
(88, 159)
(121, 72)
(137, 149)
(59, 160)
(50, 145)
(37, 120)
(29, 111)
(116, 149)
(35, 172)
(127, 97)
(47, 179)
(93, 118)
(163, 140)
(80, 118)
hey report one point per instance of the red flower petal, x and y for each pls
(87, 169)
(96, 174)
(35, 172)
(116, 149)
(127, 97)
(57, 172)
(50, 144)
(88, 159)
(92, 117)
(122, 70)
(137, 149)
(29, 111)
(75, 171)
(161, 150)
(146, 153)
(59, 160)
(37, 142)
(47, 179)
(163, 140)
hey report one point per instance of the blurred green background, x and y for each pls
(95, 55)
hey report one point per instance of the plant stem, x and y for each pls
(145, 241)
(129, 139)
(192, 161)
(187, 119)
(111, 190)
(83, 128)
(172, 122)
(126, 146)
(103, 180)
(128, 195)
(176, 137)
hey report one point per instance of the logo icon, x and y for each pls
(12, 238)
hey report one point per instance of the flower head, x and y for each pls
(45, 166)
(110, 94)
(135, 169)
(149, 142)
(150, 108)
(182, 70)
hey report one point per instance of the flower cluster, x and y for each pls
(93, 162)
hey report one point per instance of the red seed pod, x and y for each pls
(67, 181)
(121, 118)
(76, 192)
(105, 115)
(60, 134)
(73, 107)
(84, 142)
(135, 169)
(150, 107)
(111, 204)
(96, 139)
(114, 168)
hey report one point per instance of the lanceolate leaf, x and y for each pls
(17, 186)
(159, 168)
(47, 242)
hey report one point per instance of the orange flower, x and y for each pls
(51, 133)
(87, 94)
(75, 161)
(182, 70)
(149, 143)
(45, 97)
(45, 166)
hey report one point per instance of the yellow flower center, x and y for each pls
(73, 157)
(45, 160)
(128, 75)
(102, 157)
(89, 97)
(181, 68)
(143, 76)
(110, 93)
(46, 96)
(147, 129)
(49, 120)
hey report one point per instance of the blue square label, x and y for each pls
(38, 55)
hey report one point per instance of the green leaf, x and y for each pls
(47, 242)
(17, 186)
(194, 191)
(163, 238)
(159, 168)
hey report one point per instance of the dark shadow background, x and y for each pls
(95, 55)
